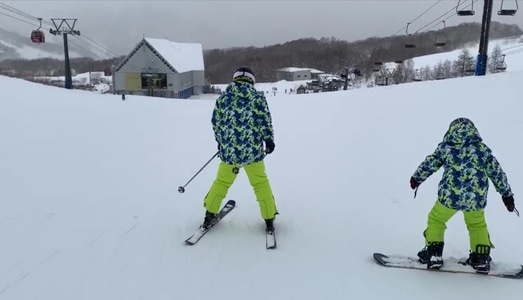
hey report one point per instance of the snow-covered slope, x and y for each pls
(90, 208)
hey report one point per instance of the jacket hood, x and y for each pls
(461, 132)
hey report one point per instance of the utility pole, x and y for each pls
(481, 61)
(64, 31)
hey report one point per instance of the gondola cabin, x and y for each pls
(37, 36)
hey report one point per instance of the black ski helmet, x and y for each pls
(244, 74)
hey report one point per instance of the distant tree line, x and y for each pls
(330, 55)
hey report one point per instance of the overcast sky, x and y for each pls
(219, 24)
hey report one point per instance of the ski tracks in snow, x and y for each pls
(27, 273)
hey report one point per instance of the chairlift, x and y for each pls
(508, 12)
(409, 45)
(417, 75)
(37, 35)
(469, 68)
(381, 80)
(502, 65)
(465, 13)
(377, 66)
(441, 41)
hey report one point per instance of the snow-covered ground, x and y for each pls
(90, 208)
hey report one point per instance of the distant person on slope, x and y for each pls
(242, 124)
(468, 164)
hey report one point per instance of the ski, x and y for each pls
(200, 232)
(270, 239)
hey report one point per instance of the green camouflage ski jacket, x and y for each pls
(468, 164)
(241, 122)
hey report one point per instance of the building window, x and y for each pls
(154, 80)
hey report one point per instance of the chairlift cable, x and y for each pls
(443, 15)
(427, 10)
(26, 15)
(102, 49)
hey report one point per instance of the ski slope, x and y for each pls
(90, 208)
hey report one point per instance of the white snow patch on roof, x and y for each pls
(294, 69)
(183, 57)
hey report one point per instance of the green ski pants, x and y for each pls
(258, 180)
(475, 221)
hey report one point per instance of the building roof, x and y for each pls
(183, 57)
(179, 57)
(294, 69)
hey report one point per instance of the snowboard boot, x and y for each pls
(432, 255)
(207, 221)
(269, 225)
(480, 259)
(423, 256)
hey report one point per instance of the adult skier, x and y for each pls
(242, 125)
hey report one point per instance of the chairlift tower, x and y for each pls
(65, 27)
(481, 61)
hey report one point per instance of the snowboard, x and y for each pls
(450, 265)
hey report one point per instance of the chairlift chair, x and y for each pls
(470, 70)
(409, 45)
(508, 12)
(502, 65)
(37, 35)
(417, 76)
(441, 41)
(470, 67)
(465, 13)
(377, 66)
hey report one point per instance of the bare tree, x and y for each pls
(496, 60)
(464, 65)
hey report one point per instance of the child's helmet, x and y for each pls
(461, 121)
(244, 74)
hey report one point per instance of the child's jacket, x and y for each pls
(468, 164)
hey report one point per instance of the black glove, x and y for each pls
(269, 146)
(219, 148)
(509, 202)
(413, 183)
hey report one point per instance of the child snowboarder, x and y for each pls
(242, 123)
(468, 164)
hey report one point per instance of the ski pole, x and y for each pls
(516, 211)
(181, 189)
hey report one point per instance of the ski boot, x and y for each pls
(269, 225)
(207, 221)
(432, 255)
(480, 259)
